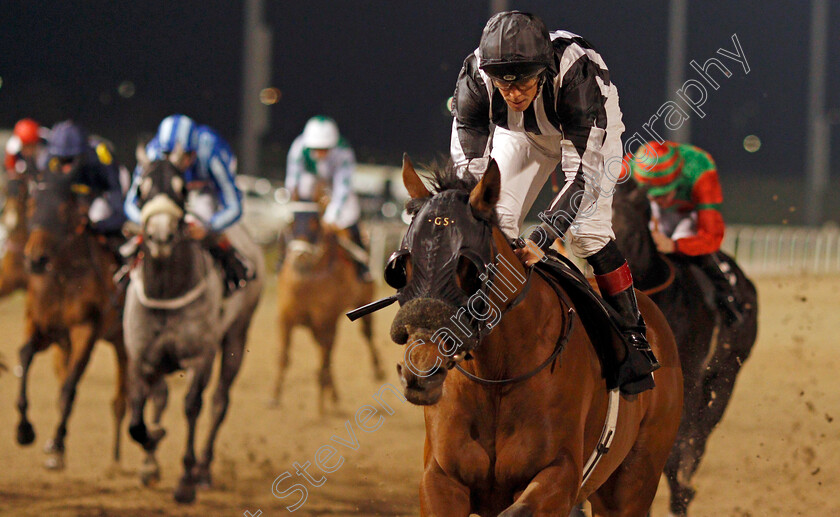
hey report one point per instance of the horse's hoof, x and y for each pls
(25, 433)
(156, 434)
(150, 478)
(203, 479)
(52, 448)
(55, 461)
(185, 493)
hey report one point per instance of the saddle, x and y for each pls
(597, 317)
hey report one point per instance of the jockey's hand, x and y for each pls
(196, 230)
(663, 243)
(530, 254)
(330, 228)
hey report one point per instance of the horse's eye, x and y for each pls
(177, 185)
(468, 273)
(398, 270)
(146, 187)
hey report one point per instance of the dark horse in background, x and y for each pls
(317, 283)
(510, 432)
(177, 318)
(711, 352)
(71, 301)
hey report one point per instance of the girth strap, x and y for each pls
(607, 435)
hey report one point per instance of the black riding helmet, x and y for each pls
(514, 46)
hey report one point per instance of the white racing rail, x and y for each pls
(759, 250)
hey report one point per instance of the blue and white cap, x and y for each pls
(177, 131)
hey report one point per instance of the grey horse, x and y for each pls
(176, 318)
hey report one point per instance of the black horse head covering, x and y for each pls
(443, 232)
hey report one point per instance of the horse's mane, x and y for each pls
(445, 178)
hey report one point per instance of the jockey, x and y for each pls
(23, 150)
(209, 167)
(321, 153)
(682, 184)
(547, 99)
(95, 172)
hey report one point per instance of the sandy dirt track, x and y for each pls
(776, 453)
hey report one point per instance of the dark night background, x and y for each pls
(383, 70)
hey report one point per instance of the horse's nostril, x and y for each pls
(399, 369)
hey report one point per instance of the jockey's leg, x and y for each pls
(362, 269)
(237, 269)
(524, 170)
(724, 290)
(616, 285)
(592, 238)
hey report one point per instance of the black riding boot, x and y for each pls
(616, 285)
(237, 269)
(712, 267)
(362, 269)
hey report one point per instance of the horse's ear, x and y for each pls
(415, 187)
(485, 195)
(142, 157)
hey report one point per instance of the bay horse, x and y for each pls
(71, 301)
(176, 318)
(711, 352)
(510, 433)
(12, 264)
(316, 284)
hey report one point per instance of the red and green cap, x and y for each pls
(657, 167)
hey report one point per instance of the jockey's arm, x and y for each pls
(342, 187)
(294, 168)
(471, 120)
(230, 200)
(13, 147)
(107, 209)
(581, 106)
(707, 197)
(132, 211)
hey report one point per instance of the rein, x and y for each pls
(558, 346)
(672, 273)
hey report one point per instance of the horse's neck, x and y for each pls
(525, 336)
(175, 275)
(646, 263)
(514, 344)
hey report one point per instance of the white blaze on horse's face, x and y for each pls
(160, 217)
(160, 234)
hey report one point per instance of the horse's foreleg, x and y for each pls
(326, 340)
(442, 496)
(284, 329)
(719, 381)
(25, 432)
(367, 330)
(185, 492)
(82, 339)
(685, 455)
(141, 389)
(118, 403)
(551, 492)
(232, 356)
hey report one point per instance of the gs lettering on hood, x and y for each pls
(437, 245)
